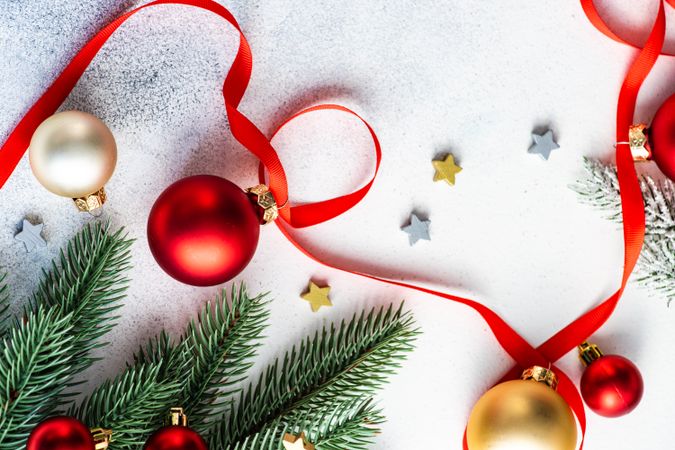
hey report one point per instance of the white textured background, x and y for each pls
(469, 77)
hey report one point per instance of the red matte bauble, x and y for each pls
(662, 138)
(175, 438)
(203, 230)
(612, 386)
(60, 433)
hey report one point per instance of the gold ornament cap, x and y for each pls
(541, 375)
(102, 438)
(177, 417)
(589, 353)
(91, 202)
(639, 143)
(264, 198)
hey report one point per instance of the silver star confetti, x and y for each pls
(418, 229)
(543, 144)
(30, 236)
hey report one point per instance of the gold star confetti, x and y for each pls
(446, 170)
(317, 296)
(292, 442)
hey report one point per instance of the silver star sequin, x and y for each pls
(418, 229)
(543, 144)
(30, 236)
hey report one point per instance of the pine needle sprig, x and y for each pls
(351, 425)
(35, 365)
(600, 188)
(340, 364)
(196, 374)
(221, 346)
(87, 281)
(130, 404)
(43, 353)
(4, 307)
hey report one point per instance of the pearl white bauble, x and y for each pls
(73, 154)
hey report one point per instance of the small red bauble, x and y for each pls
(175, 437)
(60, 433)
(662, 138)
(203, 230)
(611, 385)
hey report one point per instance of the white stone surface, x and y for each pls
(473, 78)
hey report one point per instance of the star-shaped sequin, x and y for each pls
(417, 229)
(317, 296)
(292, 442)
(30, 235)
(543, 144)
(446, 170)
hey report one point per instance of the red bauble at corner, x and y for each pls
(662, 138)
(203, 230)
(60, 433)
(175, 437)
(612, 386)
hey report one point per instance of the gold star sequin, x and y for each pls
(317, 296)
(292, 442)
(446, 170)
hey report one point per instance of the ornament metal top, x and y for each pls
(73, 154)
(656, 143)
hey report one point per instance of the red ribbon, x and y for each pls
(255, 141)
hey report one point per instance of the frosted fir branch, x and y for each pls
(600, 189)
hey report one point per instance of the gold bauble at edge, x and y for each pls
(73, 154)
(521, 415)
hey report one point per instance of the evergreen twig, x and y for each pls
(4, 307)
(88, 282)
(337, 366)
(600, 188)
(44, 353)
(35, 366)
(196, 374)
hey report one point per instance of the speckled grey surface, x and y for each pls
(431, 77)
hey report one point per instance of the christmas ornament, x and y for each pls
(523, 414)
(30, 235)
(67, 433)
(417, 229)
(317, 296)
(662, 138)
(611, 384)
(203, 230)
(292, 442)
(543, 144)
(73, 154)
(446, 170)
(176, 435)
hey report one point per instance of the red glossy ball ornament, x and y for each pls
(662, 138)
(60, 433)
(175, 437)
(203, 230)
(611, 385)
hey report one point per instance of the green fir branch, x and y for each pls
(88, 281)
(350, 425)
(35, 366)
(600, 189)
(196, 374)
(41, 359)
(130, 405)
(221, 346)
(337, 366)
(4, 307)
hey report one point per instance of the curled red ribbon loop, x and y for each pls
(255, 141)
